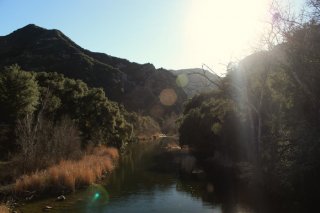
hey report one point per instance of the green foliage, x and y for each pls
(53, 96)
(142, 125)
(216, 128)
(19, 94)
(19, 97)
(100, 120)
(209, 125)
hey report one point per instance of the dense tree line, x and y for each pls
(264, 119)
(37, 104)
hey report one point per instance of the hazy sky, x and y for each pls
(173, 34)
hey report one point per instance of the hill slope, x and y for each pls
(136, 86)
(195, 81)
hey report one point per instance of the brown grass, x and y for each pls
(4, 209)
(102, 151)
(71, 174)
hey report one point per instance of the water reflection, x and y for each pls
(138, 186)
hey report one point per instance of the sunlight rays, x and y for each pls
(220, 31)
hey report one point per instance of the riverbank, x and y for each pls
(63, 178)
(138, 184)
(69, 175)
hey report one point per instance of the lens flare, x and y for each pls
(97, 195)
(182, 80)
(168, 97)
(157, 111)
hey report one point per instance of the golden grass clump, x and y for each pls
(103, 151)
(71, 174)
(34, 181)
(4, 209)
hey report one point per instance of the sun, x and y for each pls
(218, 31)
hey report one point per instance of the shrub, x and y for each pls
(44, 143)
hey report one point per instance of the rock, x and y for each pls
(30, 197)
(197, 171)
(47, 208)
(61, 198)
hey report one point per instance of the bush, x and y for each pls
(43, 143)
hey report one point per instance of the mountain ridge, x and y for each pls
(198, 80)
(136, 86)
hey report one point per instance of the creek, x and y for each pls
(139, 185)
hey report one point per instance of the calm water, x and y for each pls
(138, 186)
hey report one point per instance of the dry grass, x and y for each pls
(4, 209)
(45, 144)
(71, 174)
(102, 151)
(33, 181)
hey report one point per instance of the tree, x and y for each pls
(19, 97)
(315, 8)
(19, 94)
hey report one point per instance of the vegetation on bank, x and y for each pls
(69, 175)
(50, 97)
(4, 209)
(48, 122)
(263, 121)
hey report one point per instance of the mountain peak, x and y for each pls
(30, 28)
(28, 32)
(33, 30)
(31, 35)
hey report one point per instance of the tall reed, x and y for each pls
(71, 174)
(4, 209)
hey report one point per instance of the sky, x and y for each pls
(173, 34)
